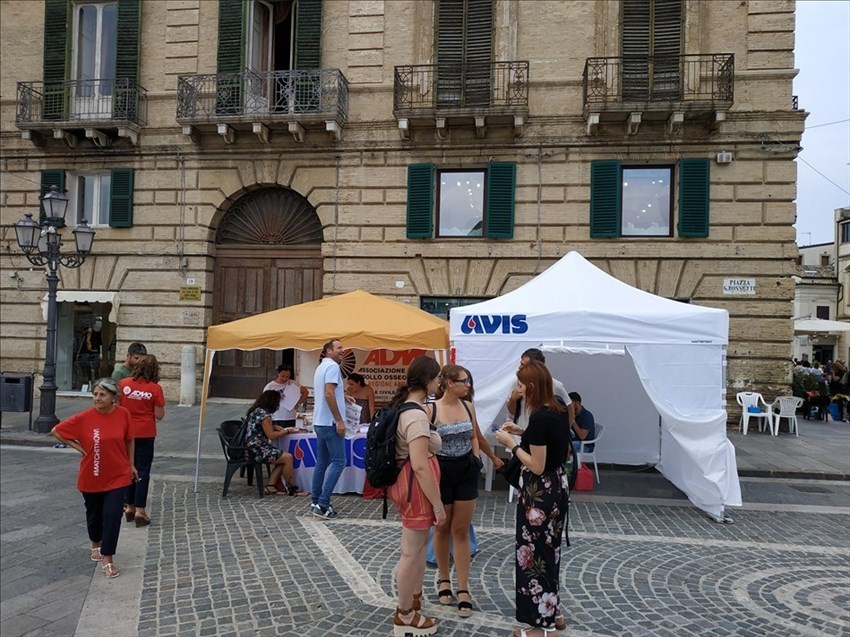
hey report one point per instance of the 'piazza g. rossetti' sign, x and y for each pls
(745, 287)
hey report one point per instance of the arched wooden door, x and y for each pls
(268, 256)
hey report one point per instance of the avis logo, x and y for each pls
(303, 451)
(498, 323)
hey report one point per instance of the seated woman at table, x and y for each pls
(362, 394)
(260, 431)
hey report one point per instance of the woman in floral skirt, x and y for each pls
(542, 502)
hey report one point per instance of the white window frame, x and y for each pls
(76, 191)
(97, 102)
(638, 232)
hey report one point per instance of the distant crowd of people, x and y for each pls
(832, 394)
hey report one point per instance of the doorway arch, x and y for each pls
(268, 256)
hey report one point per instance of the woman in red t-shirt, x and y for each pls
(141, 394)
(102, 435)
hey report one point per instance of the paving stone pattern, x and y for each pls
(245, 566)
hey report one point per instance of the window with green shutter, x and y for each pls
(229, 61)
(637, 201)
(121, 198)
(501, 184)
(420, 201)
(470, 202)
(464, 52)
(605, 186)
(127, 57)
(651, 43)
(50, 178)
(694, 197)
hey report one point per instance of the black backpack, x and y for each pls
(381, 467)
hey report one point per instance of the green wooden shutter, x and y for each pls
(605, 199)
(420, 201)
(308, 35)
(55, 64)
(129, 20)
(694, 193)
(478, 52)
(449, 48)
(50, 177)
(666, 48)
(121, 198)
(231, 48)
(501, 184)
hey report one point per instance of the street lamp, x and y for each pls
(41, 243)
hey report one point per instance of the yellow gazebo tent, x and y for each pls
(359, 319)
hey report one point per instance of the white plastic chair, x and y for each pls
(752, 399)
(582, 450)
(788, 406)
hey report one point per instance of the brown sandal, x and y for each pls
(417, 601)
(129, 513)
(418, 624)
(142, 519)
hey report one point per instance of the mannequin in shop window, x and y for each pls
(89, 353)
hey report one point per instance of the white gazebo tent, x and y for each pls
(651, 369)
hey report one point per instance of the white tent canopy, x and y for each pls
(649, 368)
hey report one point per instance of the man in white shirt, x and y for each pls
(329, 426)
(289, 391)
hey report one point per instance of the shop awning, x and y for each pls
(820, 326)
(85, 296)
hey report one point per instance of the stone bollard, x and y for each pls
(187, 376)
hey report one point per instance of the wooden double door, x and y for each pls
(251, 280)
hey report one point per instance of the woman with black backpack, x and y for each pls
(415, 493)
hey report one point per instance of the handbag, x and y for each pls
(512, 471)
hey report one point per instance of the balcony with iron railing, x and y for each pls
(434, 94)
(658, 86)
(293, 101)
(99, 109)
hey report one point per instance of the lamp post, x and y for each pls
(41, 243)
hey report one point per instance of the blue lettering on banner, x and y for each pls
(303, 452)
(491, 324)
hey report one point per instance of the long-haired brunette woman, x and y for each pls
(542, 503)
(416, 494)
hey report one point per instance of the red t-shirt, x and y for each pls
(104, 438)
(139, 397)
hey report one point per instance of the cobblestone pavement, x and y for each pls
(245, 566)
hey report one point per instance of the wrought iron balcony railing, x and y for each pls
(447, 87)
(660, 78)
(81, 101)
(229, 96)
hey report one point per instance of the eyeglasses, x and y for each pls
(465, 381)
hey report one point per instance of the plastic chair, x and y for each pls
(788, 406)
(582, 450)
(749, 399)
(235, 457)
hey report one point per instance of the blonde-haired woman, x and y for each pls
(460, 465)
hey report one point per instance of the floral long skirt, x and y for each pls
(540, 514)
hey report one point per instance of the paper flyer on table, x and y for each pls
(352, 419)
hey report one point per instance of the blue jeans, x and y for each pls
(473, 544)
(330, 461)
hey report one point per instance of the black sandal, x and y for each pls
(445, 594)
(464, 609)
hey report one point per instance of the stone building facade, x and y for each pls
(430, 151)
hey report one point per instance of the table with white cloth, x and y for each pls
(302, 446)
